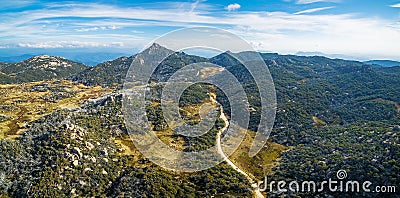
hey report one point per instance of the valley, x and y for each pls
(70, 137)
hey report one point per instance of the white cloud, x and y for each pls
(314, 1)
(87, 29)
(69, 44)
(232, 7)
(395, 5)
(112, 27)
(313, 10)
(273, 31)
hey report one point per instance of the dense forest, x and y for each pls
(333, 114)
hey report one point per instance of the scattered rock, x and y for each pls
(89, 145)
(396, 128)
(75, 163)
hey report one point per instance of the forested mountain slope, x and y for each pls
(39, 68)
(333, 114)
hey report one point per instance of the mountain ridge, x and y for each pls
(383, 63)
(112, 72)
(333, 114)
(39, 68)
(87, 58)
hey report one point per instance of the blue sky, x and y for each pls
(364, 29)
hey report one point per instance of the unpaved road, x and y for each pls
(253, 183)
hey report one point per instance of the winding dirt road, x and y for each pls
(253, 183)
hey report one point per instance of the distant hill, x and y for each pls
(93, 58)
(40, 68)
(113, 72)
(15, 59)
(383, 63)
(88, 58)
(333, 56)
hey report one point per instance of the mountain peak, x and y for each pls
(46, 61)
(156, 46)
(46, 57)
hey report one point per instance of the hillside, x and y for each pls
(85, 57)
(332, 114)
(383, 63)
(4, 78)
(107, 74)
(318, 96)
(112, 73)
(21, 104)
(2, 65)
(40, 68)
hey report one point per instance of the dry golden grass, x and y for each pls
(126, 146)
(261, 164)
(210, 71)
(318, 122)
(28, 105)
(194, 111)
(175, 142)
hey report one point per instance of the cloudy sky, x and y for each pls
(368, 29)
